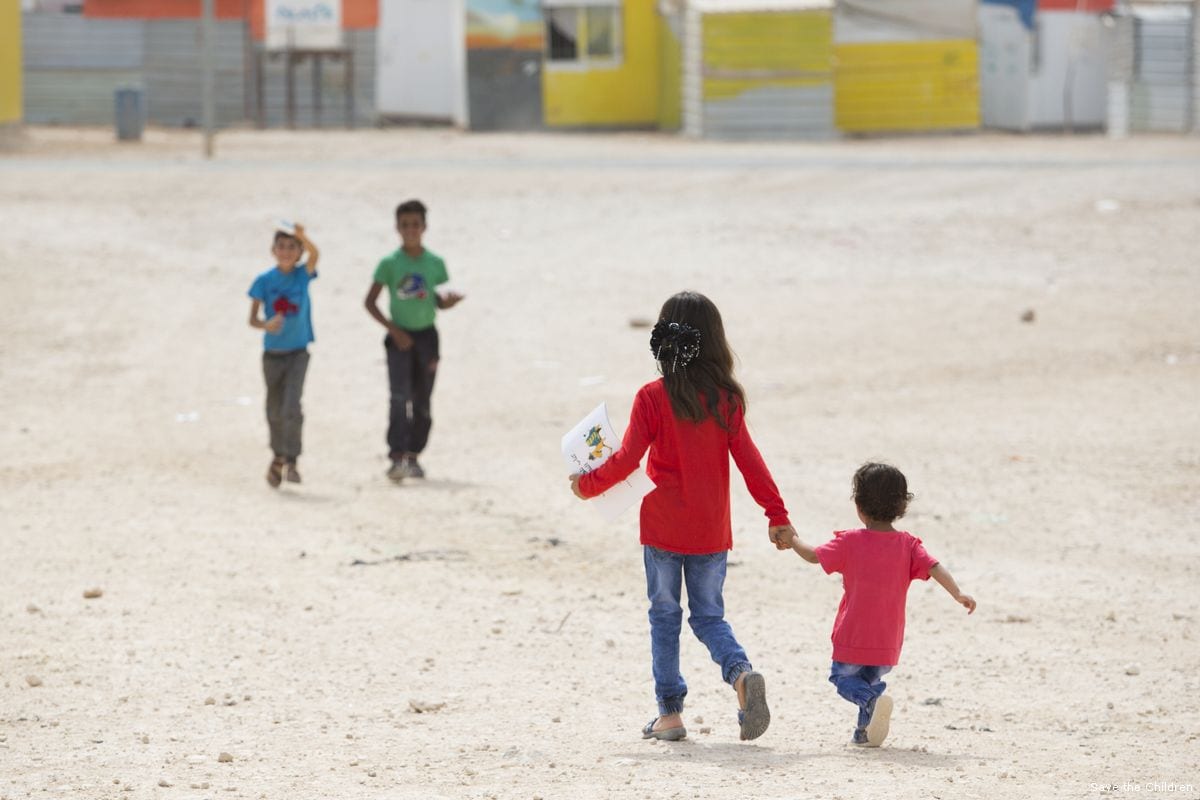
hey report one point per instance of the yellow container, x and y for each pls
(623, 92)
(10, 61)
(906, 86)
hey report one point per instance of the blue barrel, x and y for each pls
(130, 114)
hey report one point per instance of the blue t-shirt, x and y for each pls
(285, 293)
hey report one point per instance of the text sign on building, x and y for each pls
(303, 24)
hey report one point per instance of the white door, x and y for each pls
(1004, 67)
(420, 59)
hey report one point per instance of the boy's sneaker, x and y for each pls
(397, 471)
(293, 474)
(412, 469)
(275, 473)
(881, 717)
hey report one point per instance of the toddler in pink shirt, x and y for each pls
(877, 563)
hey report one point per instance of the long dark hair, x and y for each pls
(697, 387)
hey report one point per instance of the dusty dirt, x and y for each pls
(874, 291)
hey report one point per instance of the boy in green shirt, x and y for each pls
(411, 275)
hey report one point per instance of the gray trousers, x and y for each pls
(284, 373)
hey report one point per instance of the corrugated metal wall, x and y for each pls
(904, 86)
(172, 70)
(73, 66)
(762, 75)
(906, 65)
(1162, 84)
(768, 75)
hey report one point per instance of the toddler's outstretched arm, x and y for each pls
(943, 576)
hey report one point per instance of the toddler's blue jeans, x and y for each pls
(860, 685)
(666, 572)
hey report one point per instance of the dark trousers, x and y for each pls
(284, 374)
(410, 378)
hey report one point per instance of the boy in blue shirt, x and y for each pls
(411, 276)
(282, 294)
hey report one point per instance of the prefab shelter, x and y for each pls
(10, 62)
(905, 65)
(505, 41)
(758, 69)
(74, 63)
(420, 62)
(602, 66)
(1043, 64)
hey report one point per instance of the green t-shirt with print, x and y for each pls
(410, 282)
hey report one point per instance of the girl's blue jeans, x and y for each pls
(860, 685)
(666, 572)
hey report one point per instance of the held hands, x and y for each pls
(575, 485)
(781, 536)
(784, 538)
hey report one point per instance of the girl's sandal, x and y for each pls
(666, 735)
(755, 717)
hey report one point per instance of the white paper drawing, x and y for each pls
(588, 445)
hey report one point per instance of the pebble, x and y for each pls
(32, 609)
(425, 706)
(145, 739)
(225, 758)
(92, 594)
(699, 720)
(210, 701)
(1028, 315)
(1132, 669)
(33, 680)
(640, 322)
(706, 730)
(163, 782)
(201, 785)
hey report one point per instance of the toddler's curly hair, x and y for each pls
(881, 491)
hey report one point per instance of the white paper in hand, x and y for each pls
(588, 445)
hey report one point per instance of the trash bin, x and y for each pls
(130, 114)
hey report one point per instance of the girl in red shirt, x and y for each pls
(692, 420)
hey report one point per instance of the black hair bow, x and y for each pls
(676, 342)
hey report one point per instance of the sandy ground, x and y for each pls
(874, 292)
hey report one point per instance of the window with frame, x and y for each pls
(578, 31)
